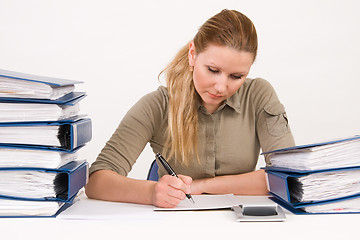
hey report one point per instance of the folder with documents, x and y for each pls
(342, 152)
(69, 99)
(10, 208)
(26, 97)
(66, 134)
(304, 187)
(22, 85)
(27, 156)
(317, 178)
(50, 184)
(33, 111)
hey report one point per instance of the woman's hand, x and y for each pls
(170, 190)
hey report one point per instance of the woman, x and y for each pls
(209, 122)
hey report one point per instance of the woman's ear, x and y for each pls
(192, 54)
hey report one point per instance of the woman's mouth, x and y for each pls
(215, 96)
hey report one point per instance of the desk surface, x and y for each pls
(119, 220)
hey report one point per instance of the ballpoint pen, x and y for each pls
(171, 172)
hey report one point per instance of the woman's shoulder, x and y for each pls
(257, 90)
(152, 107)
(256, 87)
(257, 83)
(159, 95)
(161, 92)
(156, 100)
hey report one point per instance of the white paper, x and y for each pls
(28, 208)
(91, 209)
(327, 185)
(349, 205)
(203, 202)
(10, 87)
(27, 184)
(336, 155)
(19, 112)
(16, 157)
(31, 135)
(223, 201)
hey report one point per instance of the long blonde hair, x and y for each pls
(228, 28)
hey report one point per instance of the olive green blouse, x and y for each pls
(229, 142)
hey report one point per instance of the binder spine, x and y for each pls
(74, 134)
(77, 179)
(279, 185)
(81, 133)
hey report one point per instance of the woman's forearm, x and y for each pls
(110, 186)
(252, 183)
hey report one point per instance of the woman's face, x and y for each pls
(218, 73)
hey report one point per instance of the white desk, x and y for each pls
(106, 220)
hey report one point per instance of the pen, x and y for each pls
(170, 171)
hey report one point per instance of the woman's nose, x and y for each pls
(221, 84)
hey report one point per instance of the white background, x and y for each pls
(309, 51)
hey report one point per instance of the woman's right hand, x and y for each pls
(170, 190)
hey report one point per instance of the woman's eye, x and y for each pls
(236, 76)
(213, 70)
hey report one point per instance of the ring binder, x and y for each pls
(69, 134)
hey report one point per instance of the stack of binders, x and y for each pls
(41, 134)
(317, 178)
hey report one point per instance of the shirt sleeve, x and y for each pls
(272, 124)
(133, 133)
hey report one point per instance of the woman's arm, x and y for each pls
(252, 183)
(111, 186)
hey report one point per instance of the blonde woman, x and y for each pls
(210, 123)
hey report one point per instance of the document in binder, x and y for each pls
(43, 184)
(69, 99)
(336, 206)
(24, 156)
(11, 208)
(339, 153)
(31, 110)
(320, 191)
(23, 85)
(66, 134)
